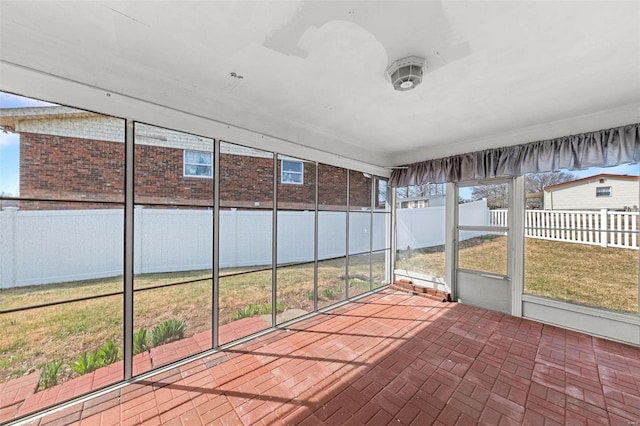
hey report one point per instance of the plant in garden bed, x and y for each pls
(140, 341)
(49, 374)
(167, 331)
(252, 310)
(329, 293)
(109, 352)
(247, 311)
(280, 308)
(357, 282)
(88, 362)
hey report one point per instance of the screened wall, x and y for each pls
(127, 246)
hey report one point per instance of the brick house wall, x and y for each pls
(294, 196)
(72, 168)
(332, 188)
(68, 168)
(246, 182)
(359, 191)
(159, 179)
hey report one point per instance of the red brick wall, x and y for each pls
(56, 167)
(294, 196)
(245, 181)
(66, 168)
(359, 191)
(332, 187)
(159, 178)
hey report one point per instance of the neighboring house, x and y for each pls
(535, 200)
(425, 201)
(614, 192)
(67, 153)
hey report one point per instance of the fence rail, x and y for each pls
(602, 227)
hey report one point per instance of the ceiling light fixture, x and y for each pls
(406, 73)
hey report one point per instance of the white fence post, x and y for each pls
(604, 225)
(7, 247)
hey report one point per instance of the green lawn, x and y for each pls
(34, 337)
(588, 275)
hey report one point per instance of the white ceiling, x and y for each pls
(499, 73)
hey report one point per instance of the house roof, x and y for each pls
(312, 73)
(9, 117)
(588, 179)
(421, 198)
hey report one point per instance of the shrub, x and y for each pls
(106, 354)
(167, 331)
(357, 282)
(140, 341)
(109, 352)
(329, 293)
(49, 374)
(247, 311)
(88, 362)
(264, 309)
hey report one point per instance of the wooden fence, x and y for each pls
(600, 227)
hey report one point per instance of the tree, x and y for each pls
(535, 184)
(497, 195)
(423, 190)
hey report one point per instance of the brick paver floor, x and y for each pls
(19, 397)
(390, 358)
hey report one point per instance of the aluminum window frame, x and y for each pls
(282, 172)
(185, 163)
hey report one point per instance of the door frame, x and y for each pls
(515, 241)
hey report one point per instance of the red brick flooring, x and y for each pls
(19, 397)
(390, 358)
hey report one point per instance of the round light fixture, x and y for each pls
(406, 73)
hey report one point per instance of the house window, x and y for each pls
(292, 172)
(603, 191)
(198, 164)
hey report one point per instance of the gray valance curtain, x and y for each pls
(602, 148)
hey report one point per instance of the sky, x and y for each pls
(10, 145)
(10, 152)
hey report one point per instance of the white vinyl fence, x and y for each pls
(39, 247)
(604, 228)
(49, 246)
(425, 227)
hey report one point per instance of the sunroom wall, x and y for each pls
(173, 192)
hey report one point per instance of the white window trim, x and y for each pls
(301, 172)
(184, 164)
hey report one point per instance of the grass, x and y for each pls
(253, 310)
(33, 338)
(487, 253)
(588, 275)
(576, 273)
(428, 260)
